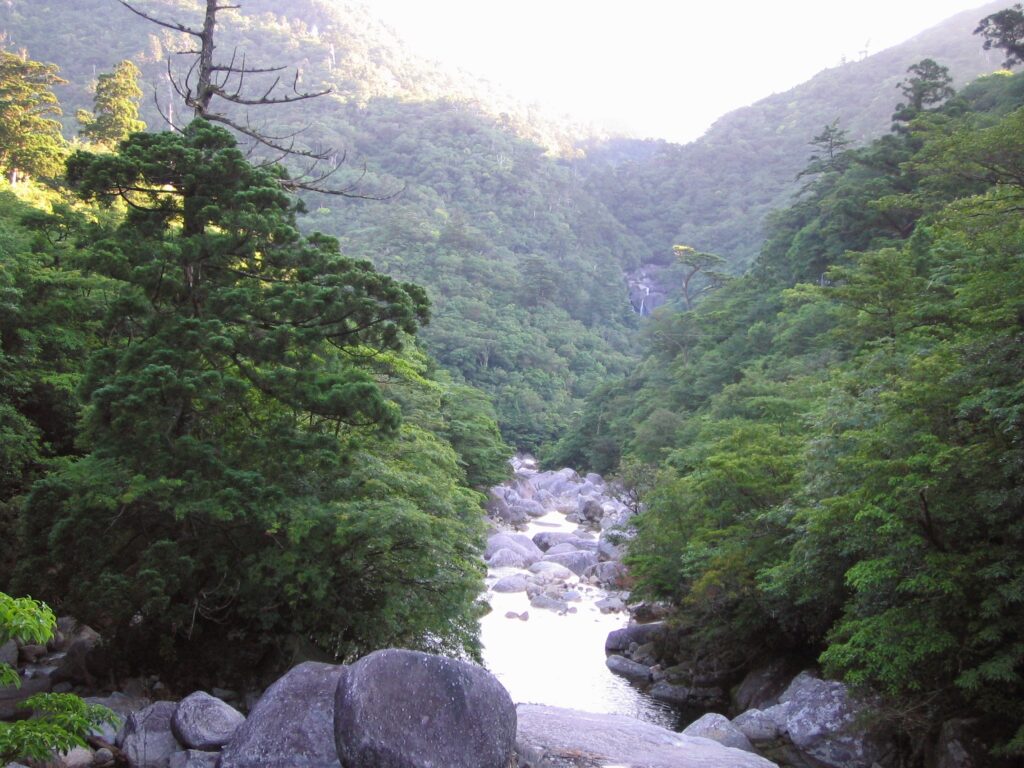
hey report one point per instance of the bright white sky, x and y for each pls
(654, 68)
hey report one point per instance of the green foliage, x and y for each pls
(250, 486)
(30, 138)
(841, 459)
(115, 112)
(60, 722)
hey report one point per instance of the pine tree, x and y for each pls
(30, 137)
(115, 113)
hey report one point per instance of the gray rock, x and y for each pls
(620, 639)
(121, 705)
(550, 736)
(105, 757)
(506, 558)
(147, 739)
(762, 687)
(757, 726)
(517, 582)
(607, 574)
(577, 562)
(718, 728)
(822, 721)
(548, 603)
(607, 550)
(584, 543)
(517, 542)
(959, 747)
(610, 604)
(79, 757)
(205, 723)
(529, 507)
(590, 509)
(547, 539)
(562, 548)
(9, 653)
(628, 669)
(292, 724)
(551, 570)
(194, 758)
(405, 709)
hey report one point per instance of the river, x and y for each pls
(556, 657)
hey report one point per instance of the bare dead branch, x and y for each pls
(168, 24)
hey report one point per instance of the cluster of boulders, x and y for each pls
(52, 668)
(551, 565)
(391, 709)
(395, 709)
(780, 711)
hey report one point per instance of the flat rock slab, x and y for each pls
(551, 737)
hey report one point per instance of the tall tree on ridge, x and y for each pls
(115, 112)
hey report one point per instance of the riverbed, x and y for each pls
(556, 657)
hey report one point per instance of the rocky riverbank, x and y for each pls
(391, 709)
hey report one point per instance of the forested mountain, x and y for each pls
(520, 236)
(715, 193)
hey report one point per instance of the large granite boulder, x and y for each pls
(292, 725)
(551, 737)
(147, 739)
(823, 721)
(577, 562)
(205, 723)
(405, 709)
(517, 542)
(506, 558)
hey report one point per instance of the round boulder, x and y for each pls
(205, 723)
(405, 709)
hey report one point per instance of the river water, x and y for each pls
(556, 658)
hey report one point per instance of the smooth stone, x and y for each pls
(203, 722)
(517, 582)
(406, 709)
(506, 558)
(577, 562)
(629, 669)
(551, 570)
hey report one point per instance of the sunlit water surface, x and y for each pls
(559, 660)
